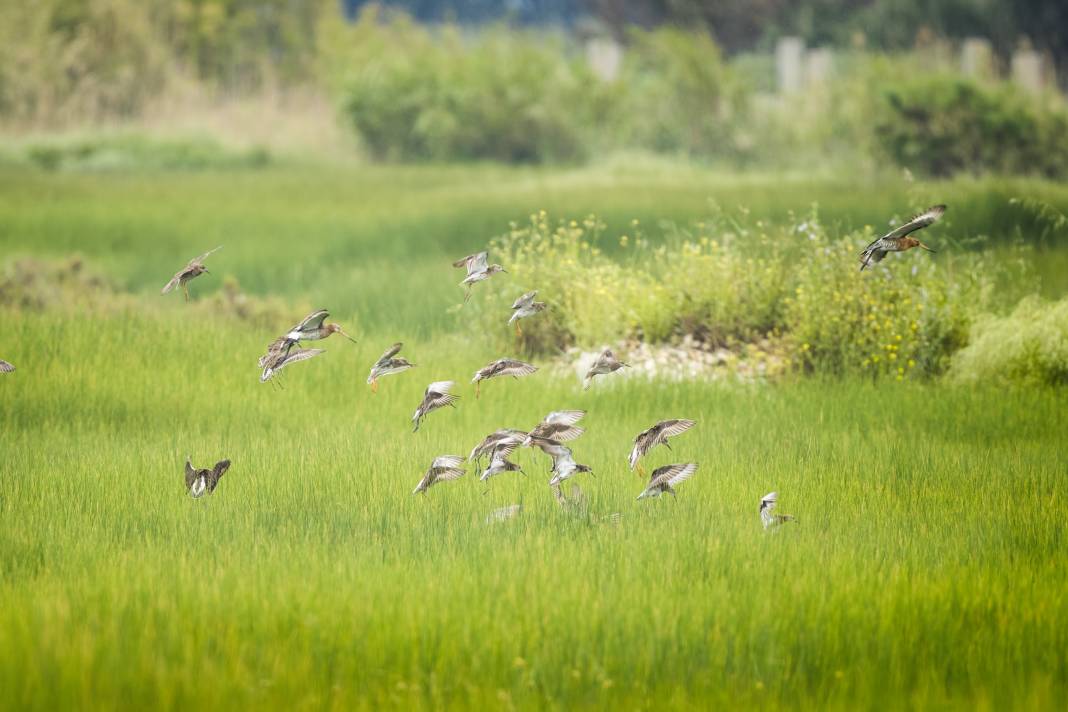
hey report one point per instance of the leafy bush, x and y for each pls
(728, 283)
(940, 125)
(1029, 346)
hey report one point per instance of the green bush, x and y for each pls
(1029, 346)
(729, 283)
(941, 125)
(126, 151)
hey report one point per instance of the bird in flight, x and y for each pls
(523, 307)
(499, 461)
(502, 367)
(202, 482)
(436, 396)
(491, 441)
(665, 479)
(478, 270)
(310, 328)
(657, 435)
(442, 469)
(6, 367)
(388, 364)
(194, 269)
(564, 465)
(605, 363)
(767, 506)
(275, 361)
(898, 240)
(558, 425)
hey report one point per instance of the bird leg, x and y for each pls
(185, 289)
(640, 469)
(478, 388)
(374, 385)
(518, 329)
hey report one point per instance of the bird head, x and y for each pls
(911, 242)
(336, 329)
(493, 269)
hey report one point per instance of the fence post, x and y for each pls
(1027, 69)
(977, 58)
(789, 53)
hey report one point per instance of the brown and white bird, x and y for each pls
(194, 269)
(501, 367)
(201, 482)
(499, 461)
(558, 425)
(767, 505)
(523, 307)
(497, 437)
(275, 361)
(898, 240)
(564, 465)
(605, 363)
(6, 367)
(478, 270)
(388, 364)
(442, 469)
(310, 328)
(436, 396)
(657, 435)
(665, 479)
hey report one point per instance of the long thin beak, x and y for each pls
(927, 248)
(347, 336)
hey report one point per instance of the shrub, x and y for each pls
(1029, 346)
(940, 125)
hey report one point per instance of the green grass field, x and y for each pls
(927, 569)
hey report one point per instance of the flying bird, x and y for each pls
(275, 361)
(898, 240)
(436, 396)
(478, 270)
(657, 435)
(501, 367)
(523, 307)
(499, 461)
(6, 367)
(442, 469)
(201, 482)
(311, 328)
(605, 363)
(558, 425)
(388, 364)
(491, 441)
(767, 505)
(194, 269)
(665, 479)
(564, 466)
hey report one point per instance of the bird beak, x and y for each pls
(347, 336)
(927, 248)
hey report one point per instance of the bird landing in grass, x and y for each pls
(436, 396)
(523, 307)
(311, 328)
(558, 425)
(194, 269)
(6, 367)
(202, 482)
(564, 465)
(665, 479)
(478, 270)
(443, 469)
(767, 507)
(502, 367)
(898, 240)
(605, 363)
(491, 441)
(388, 364)
(499, 462)
(275, 361)
(657, 435)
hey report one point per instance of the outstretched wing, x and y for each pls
(216, 472)
(446, 462)
(479, 263)
(672, 474)
(391, 352)
(564, 417)
(503, 449)
(6, 367)
(511, 367)
(673, 427)
(173, 283)
(297, 355)
(312, 321)
(768, 501)
(199, 260)
(190, 474)
(440, 387)
(917, 222)
(552, 448)
(525, 301)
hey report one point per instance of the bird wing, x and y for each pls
(503, 449)
(217, 472)
(552, 448)
(391, 352)
(440, 387)
(525, 300)
(6, 367)
(671, 474)
(564, 417)
(917, 222)
(298, 355)
(682, 475)
(312, 321)
(450, 473)
(445, 462)
(174, 281)
(673, 427)
(198, 260)
(464, 261)
(190, 474)
(768, 501)
(479, 262)
(511, 367)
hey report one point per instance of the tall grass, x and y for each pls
(925, 570)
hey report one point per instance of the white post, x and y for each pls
(789, 54)
(1027, 70)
